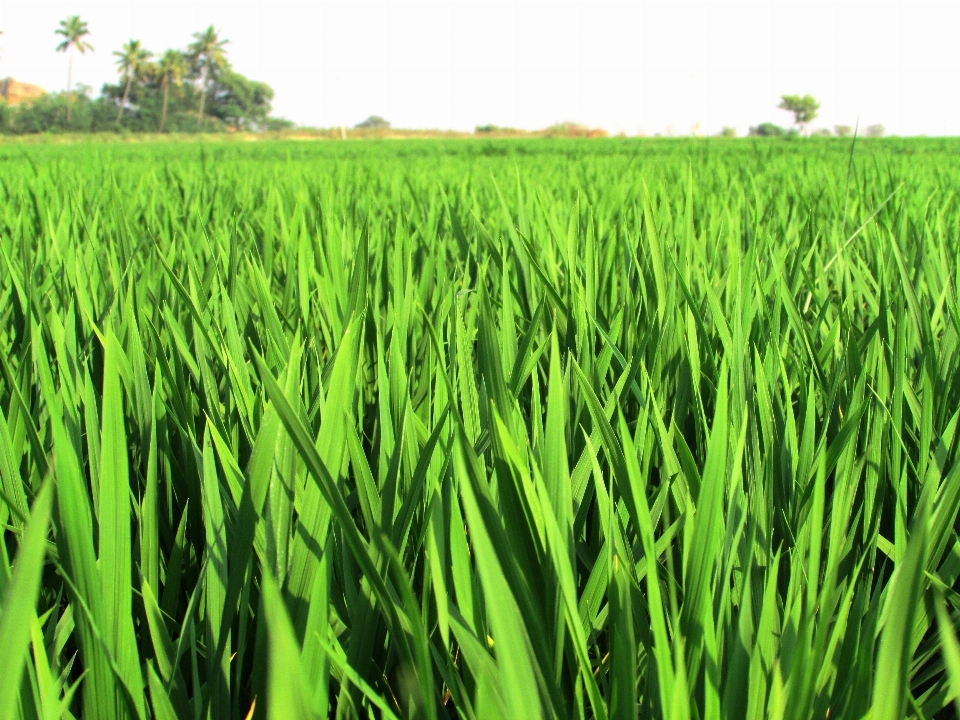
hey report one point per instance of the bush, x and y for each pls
(500, 130)
(374, 122)
(843, 130)
(49, 114)
(728, 132)
(767, 129)
(573, 130)
(874, 131)
(273, 124)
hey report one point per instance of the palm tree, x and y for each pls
(131, 61)
(73, 30)
(169, 70)
(208, 56)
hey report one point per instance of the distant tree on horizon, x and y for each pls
(208, 57)
(374, 122)
(73, 30)
(875, 130)
(769, 129)
(804, 109)
(131, 61)
(843, 130)
(240, 101)
(170, 69)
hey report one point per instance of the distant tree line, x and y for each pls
(804, 109)
(184, 91)
(769, 129)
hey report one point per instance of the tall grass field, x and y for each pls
(480, 429)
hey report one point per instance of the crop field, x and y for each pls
(480, 429)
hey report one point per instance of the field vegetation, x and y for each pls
(492, 429)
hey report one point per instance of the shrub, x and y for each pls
(767, 129)
(374, 122)
(573, 130)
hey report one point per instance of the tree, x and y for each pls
(804, 109)
(239, 101)
(843, 130)
(73, 30)
(875, 130)
(209, 59)
(170, 69)
(131, 61)
(374, 122)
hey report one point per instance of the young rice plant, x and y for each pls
(520, 429)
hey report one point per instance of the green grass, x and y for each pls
(480, 429)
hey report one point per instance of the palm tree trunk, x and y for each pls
(123, 103)
(163, 113)
(69, 83)
(203, 94)
(203, 98)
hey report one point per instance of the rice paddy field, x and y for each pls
(480, 429)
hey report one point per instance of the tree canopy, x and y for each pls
(73, 30)
(209, 60)
(804, 108)
(132, 62)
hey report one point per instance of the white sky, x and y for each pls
(655, 67)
